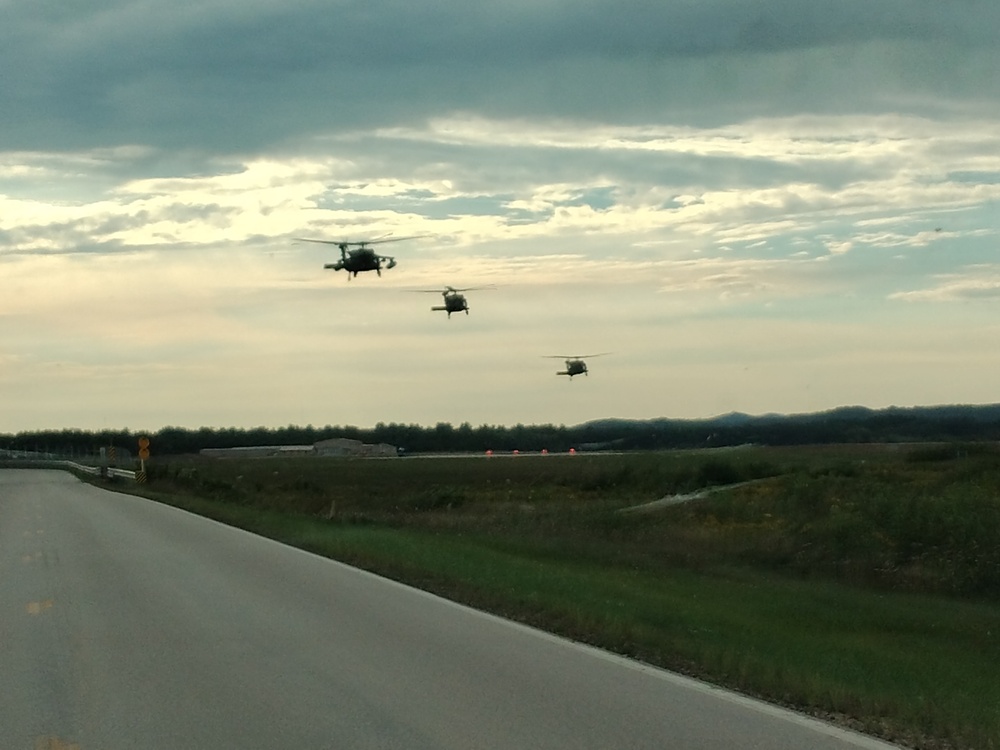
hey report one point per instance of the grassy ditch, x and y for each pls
(861, 584)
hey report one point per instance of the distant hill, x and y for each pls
(846, 424)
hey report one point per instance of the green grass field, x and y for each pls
(858, 583)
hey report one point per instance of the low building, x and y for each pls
(380, 450)
(347, 447)
(258, 451)
(337, 447)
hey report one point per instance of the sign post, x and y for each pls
(143, 455)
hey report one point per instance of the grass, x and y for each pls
(857, 583)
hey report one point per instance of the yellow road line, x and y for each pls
(36, 608)
(54, 743)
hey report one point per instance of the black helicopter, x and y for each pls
(574, 363)
(362, 259)
(454, 300)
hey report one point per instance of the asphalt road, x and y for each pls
(128, 624)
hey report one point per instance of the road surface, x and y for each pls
(129, 624)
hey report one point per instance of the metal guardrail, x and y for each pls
(97, 470)
(56, 463)
(80, 467)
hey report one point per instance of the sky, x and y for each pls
(769, 207)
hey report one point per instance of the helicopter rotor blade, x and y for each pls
(453, 290)
(575, 356)
(360, 243)
(343, 245)
(450, 290)
(324, 242)
(379, 241)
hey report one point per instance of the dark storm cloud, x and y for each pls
(245, 75)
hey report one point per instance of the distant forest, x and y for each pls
(844, 425)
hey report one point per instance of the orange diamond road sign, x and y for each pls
(144, 442)
(144, 453)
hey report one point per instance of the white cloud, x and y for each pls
(276, 197)
(971, 284)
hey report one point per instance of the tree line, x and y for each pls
(845, 425)
(411, 438)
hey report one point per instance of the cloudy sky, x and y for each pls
(778, 206)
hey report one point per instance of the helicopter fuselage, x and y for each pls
(362, 259)
(574, 367)
(356, 261)
(453, 303)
